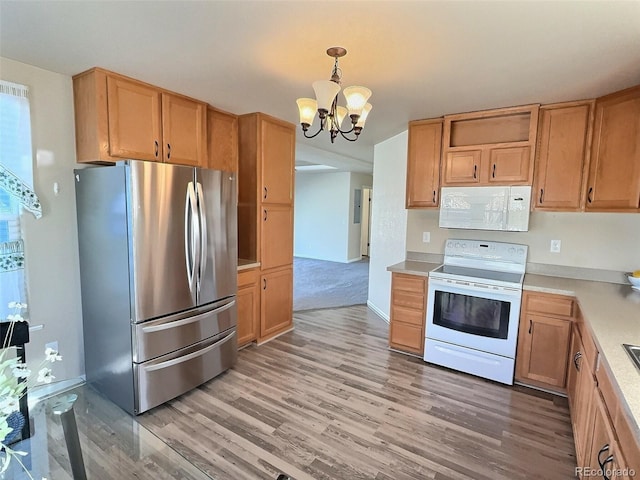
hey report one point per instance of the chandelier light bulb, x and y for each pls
(356, 97)
(307, 108)
(363, 117)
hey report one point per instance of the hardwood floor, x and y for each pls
(330, 401)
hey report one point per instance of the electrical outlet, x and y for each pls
(52, 346)
(426, 237)
(555, 246)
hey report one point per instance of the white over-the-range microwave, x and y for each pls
(486, 208)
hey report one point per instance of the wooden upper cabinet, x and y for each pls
(614, 174)
(462, 167)
(134, 119)
(278, 155)
(184, 130)
(423, 163)
(277, 236)
(491, 147)
(222, 140)
(509, 165)
(562, 156)
(120, 118)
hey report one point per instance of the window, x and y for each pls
(16, 190)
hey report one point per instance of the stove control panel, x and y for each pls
(483, 254)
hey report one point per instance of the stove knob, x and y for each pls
(521, 251)
(464, 245)
(512, 250)
(457, 244)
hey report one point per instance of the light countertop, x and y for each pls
(244, 264)
(611, 311)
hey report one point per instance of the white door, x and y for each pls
(365, 223)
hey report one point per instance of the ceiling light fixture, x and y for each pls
(326, 104)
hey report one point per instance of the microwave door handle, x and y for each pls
(202, 211)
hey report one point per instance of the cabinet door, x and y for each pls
(582, 416)
(614, 175)
(278, 143)
(543, 350)
(276, 305)
(423, 163)
(134, 120)
(604, 452)
(510, 165)
(248, 301)
(222, 135)
(462, 167)
(184, 131)
(561, 157)
(407, 337)
(277, 236)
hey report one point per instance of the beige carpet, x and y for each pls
(322, 284)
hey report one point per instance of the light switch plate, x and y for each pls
(555, 246)
(426, 237)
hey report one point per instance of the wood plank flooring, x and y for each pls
(330, 401)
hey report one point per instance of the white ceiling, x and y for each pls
(422, 59)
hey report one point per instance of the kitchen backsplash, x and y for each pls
(600, 241)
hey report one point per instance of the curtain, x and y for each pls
(16, 190)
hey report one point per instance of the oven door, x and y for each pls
(472, 315)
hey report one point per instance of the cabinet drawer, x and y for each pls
(407, 315)
(406, 337)
(607, 391)
(409, 300)
(409, 283)
(549, 304)
(248, 277)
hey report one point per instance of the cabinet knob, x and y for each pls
(264, 283)
(168, 151)
(475, 172)
(265, 215)
(530, 326)
(541, 194)
(589, 199)
(265, 193)
(157, 146)
(494, 171)
(434, 196)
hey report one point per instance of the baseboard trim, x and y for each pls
(262, 342)
(357, 259)
(380, 313)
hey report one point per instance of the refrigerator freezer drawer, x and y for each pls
(166, 377)
(167, 334)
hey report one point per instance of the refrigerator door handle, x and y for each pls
(184, 358)
(202, 212)
(191, 237)
(178, 323)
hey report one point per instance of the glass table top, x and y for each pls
(113, 444)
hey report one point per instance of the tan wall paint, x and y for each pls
(608, 241)
(51, 243)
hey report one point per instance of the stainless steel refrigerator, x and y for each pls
(158, 267)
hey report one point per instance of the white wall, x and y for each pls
(388, 218)
(51, 243)
(358, 180)
(606, 241)
(321, 215)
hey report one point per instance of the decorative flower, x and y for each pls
(52, 355)
(21, 371)
(45, 376)
(15, 378)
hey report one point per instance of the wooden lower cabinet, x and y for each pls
(276, 303)
(248, 302)
(408, 310)
(544, 339)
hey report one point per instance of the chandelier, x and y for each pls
(326, 104)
